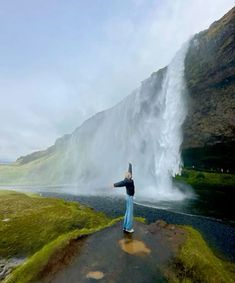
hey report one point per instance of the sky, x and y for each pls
(63, 61)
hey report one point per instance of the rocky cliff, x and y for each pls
(209, 129)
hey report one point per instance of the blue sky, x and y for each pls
(62, 61)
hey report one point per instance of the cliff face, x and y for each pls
(209, 129)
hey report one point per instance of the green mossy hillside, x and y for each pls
(28, 222)
(209, 179)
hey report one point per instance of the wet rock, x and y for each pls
(6, 266)
(208, 129)
(153, 228)
(161, 223)
(122, 257)
(171, 227)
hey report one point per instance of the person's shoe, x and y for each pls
(130, 231)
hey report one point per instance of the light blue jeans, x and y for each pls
(128, 219)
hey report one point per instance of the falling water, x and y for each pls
(144, 128)
(167, 157)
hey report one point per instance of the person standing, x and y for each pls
(128, 182)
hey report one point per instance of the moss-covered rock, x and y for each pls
(195, 262)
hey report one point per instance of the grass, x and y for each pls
(30, 270)
(209, 179)
(31, 221)
(140, 219)
(39, 227)
(31, 173)
(195, 262)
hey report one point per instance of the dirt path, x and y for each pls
(113, 256)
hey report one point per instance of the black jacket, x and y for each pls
(129, 184)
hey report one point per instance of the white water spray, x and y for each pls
(167, 157)
(145, 129)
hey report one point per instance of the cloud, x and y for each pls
(62, 63)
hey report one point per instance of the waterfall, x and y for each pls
(145, 129)
(173, 110)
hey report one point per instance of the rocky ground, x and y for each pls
(6, 266)
(158, 252)
(112, 255)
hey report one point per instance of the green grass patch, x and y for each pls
(140, 219)
(195, 262)
(28, 222)
(38, 228)
(30, 270)
(209, 179)
(35, 172)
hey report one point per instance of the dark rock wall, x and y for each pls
(209, 129)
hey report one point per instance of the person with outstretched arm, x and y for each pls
(128, 182)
